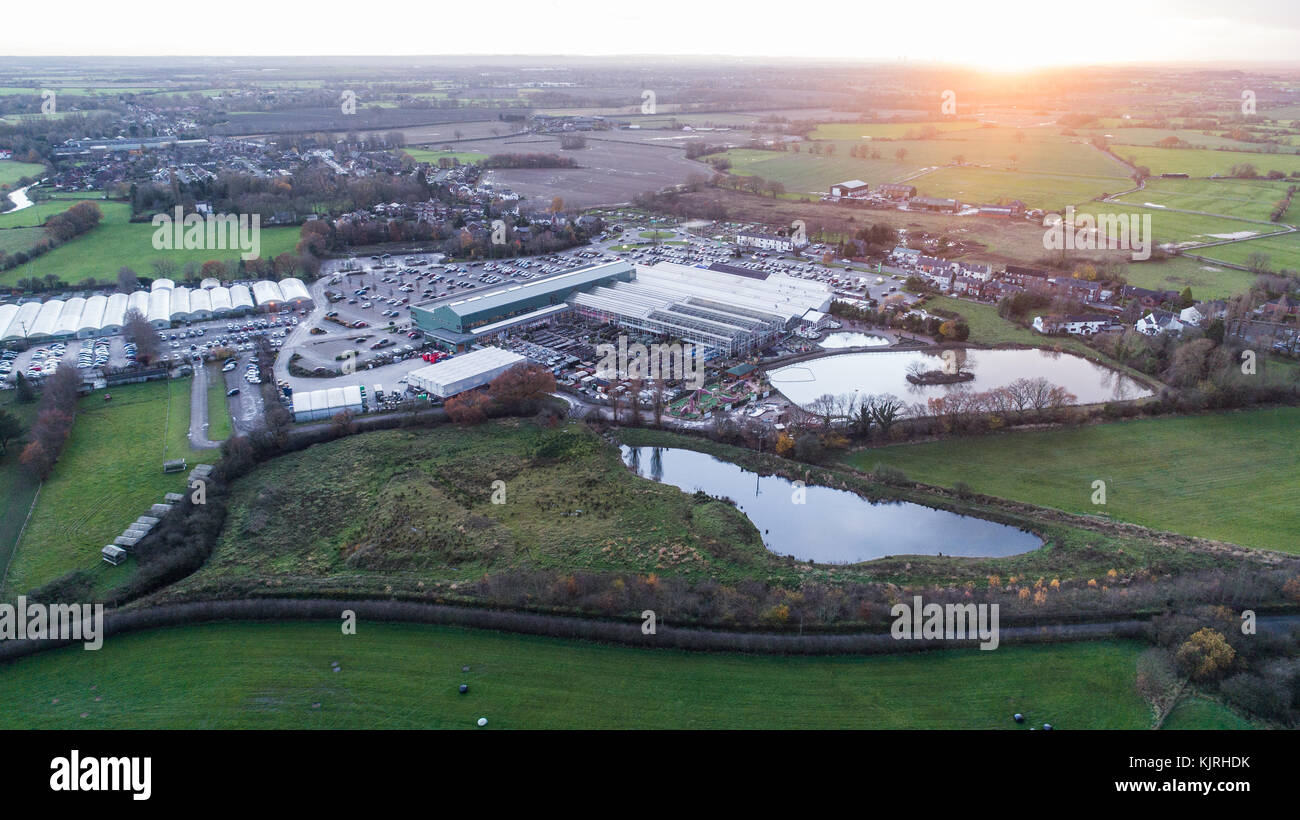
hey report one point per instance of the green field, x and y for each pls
(109, 474)
(1180, 228)
(1228, 476)
(117, 242)
(892, 130)
(1177, 272)
(16, 488)
(1204, 163)
(1039, 168)
(11, 171)
(1249, 199)
(219, 422)
(978, 186)
(36, 215)
(432, 157)
(1283, 252)
(1203, 713)
(398, 676)
(13, 240)
(361, 510)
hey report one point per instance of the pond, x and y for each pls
(838, 340)
(830, 526)
(886, 372)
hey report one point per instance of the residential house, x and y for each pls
(1158, 321)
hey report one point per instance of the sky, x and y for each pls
(991, 34)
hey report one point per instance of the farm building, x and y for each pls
(851, 189)
(896, 190)
(323, 404)
(460, 373)
(929, 203)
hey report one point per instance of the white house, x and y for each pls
(1158, 321)
(1086, 325)
(766, 241)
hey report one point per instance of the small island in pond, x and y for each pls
(939, 377)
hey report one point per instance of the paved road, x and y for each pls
(199, 411)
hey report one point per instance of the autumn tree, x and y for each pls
(522, 386)
(1205, 654)
(468, 408)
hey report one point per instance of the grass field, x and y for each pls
(396, 676)
(1204, 163)
(1229, 476)
(1250, 199)
(13, 240)
(891, 130)
(109, 474)
(1179, 228)
(16, 488)
(432, 157)
(420, 504)
(1041, 168)
(117, 242)
(1283, 252)
(1203, 713)
(219, 423)
(11, 171)
(1176, 273)
(1038, 190)
(36, 215)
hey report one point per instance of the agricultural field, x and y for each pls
(432, 157)
(1212, 476)
(1041, 169)
(13, 240)
(117, 242)
(1175, 227)
(405, 676)
(109, 473)
(1207, 281)
(852, 131)
(1244, 198)
(36, 215)
(1204, 163)
(1152, 136)
(987, 185)
(11, 171)
(1283, 251)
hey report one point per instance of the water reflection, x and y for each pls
(886, 372)
(830, 526)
